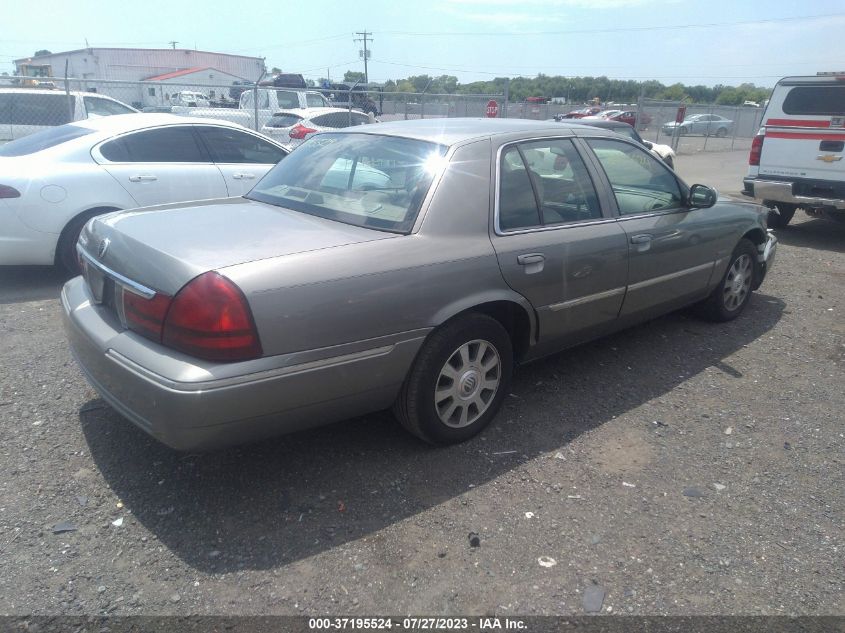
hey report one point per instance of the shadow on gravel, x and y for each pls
(273, 503)
(823, 235)
(19, 284)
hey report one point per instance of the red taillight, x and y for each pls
(299, 131)
(145, 316)
(210, 318)
(9, 192)
(756, 150)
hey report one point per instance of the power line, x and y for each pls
(622, 29)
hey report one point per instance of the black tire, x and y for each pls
(416, 407)
(669, 161)
(66, 247)
(779, 217)
(721, 132)
(731, 295)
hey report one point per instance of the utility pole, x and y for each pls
(173, 44)
(364, 53)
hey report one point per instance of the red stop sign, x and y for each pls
(492, 108)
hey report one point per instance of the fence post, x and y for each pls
(70, 104)
(505, 98)
(255, 98)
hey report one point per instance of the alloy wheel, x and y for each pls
(738, 282)
(467, 383)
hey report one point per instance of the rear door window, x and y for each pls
(287, 99)
(5, 109)
(817, 100)
(172, 144)
(41, 109)
(233, 146)
(315, 100)
(104, 107)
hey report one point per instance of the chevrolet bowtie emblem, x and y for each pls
(828, 158)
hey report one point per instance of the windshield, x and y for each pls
(43, 140)
(366, 180)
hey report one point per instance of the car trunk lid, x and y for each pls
(164, 247)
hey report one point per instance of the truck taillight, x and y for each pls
(299, 131)
(210, 318)
(756, 150)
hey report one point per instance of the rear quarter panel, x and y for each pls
(384, 287)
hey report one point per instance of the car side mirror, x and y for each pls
(702, 197)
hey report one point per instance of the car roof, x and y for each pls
(119, 123)
(52, 91)
(603, 123)
(459, 130)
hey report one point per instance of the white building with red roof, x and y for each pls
(97, 69)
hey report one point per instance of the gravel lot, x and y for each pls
(679, 467)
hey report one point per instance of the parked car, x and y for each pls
(603, 114)
(54, 181)
(630, 117)
(293, 127)
(580, 113)
(489, 242)
(796, 160)
(270, 100)
(705, 124)
(27, 110)
(189, 99)
(663, 152)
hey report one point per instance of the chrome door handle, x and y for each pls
(243, 176)
(642, 242)
(143, 178)
(530, 258)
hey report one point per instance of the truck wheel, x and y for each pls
(458, 380)
(731, 295)
(670, 162)
(779, 217)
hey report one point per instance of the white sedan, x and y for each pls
(294, 126)
(53, 182)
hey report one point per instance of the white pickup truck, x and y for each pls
(270, 101)
(796, 159)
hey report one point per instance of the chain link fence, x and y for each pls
(55, 101)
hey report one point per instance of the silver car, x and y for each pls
(705, 124)
(409, 265)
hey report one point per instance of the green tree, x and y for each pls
(351, 76)
(41, 52)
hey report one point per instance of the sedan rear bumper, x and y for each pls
(205, 414)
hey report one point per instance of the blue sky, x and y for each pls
(471, 39)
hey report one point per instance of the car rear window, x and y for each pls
(43, 140)
(366, 180)
(341, 119)
(283, 120)
(820, 100)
